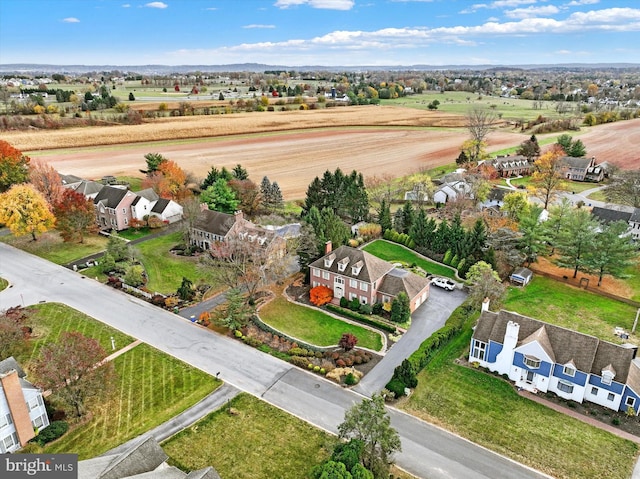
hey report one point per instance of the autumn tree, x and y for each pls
(478, 122)
(168, 181)
(248, 193)
(529, 148)
(14, 331)
(547, 177)
(515, 204)
(348, 341)
(381, 189)
(320, 295)
(14, 166)
(474, 150)
(369, 422)
(73, 369)
(47, 181)
(25, 211)
(624, 188)
(75, 216)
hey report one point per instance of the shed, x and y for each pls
(521, 276)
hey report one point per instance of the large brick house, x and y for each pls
(353, 273)
(538, 356)
(581, 169)
(509, 166)
(22, 410)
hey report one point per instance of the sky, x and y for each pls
(319, 32)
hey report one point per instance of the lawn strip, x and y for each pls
(313, 326)
(259, 442)
(395, 253)
(51, 247)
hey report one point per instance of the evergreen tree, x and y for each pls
(384, 217)
(277, 201)
(408, 214)
(476, 239)
(400, 308)
(419, 229)
(441, 240)
(398, 221)
(265, 191)
(239, 173)
(457, 237)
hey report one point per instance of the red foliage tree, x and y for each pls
(73, 369)
(320, 295)
(348, 341)
(14, 166)
(75, 216)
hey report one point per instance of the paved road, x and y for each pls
(428, 318)
(428, 452)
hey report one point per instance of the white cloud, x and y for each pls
(255, 25)
(497, 4)
(531, 12)
(156, 5)
(126, 5)
(577, 3)
(211, 9)
(563, 52)
(324, 4)
(70, 20)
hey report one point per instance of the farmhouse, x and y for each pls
(353, 273)
(22, 410)
(538, 356)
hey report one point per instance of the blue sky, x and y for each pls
(319, 32)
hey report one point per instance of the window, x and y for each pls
(594, 391)
(325, 274)
(569, 371)
(353, 283)
(479, 349)
(124, 210)
(363, 299)
(611, 397)
(532, 362)
(606, 378)
(5, 420)
(316, 272)
(364, 286)
(38, 422)
(630, 401)
(565, 386)
(352, 296)
(32, 404)
(126, 221)
(10, 441)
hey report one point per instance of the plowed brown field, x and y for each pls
(372, 140)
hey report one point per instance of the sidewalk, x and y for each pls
(580, 417)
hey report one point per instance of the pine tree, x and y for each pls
(384, 217)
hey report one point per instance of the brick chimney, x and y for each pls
(17, 406)
(328, 247)
(238, 215)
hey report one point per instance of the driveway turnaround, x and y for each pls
(428, 452)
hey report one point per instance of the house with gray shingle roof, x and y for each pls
(538, 356)
(620, 213)
(581, 169)
(144, 459)
(353, 273)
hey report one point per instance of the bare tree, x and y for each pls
(624, 188)
(479, 122)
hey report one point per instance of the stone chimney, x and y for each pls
(328, 247)
(17, 406)
(485, 304)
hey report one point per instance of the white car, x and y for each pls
(443, 283)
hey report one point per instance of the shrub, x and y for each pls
(316, 369)
(362, 319)
(340, 363)
(365, 309)
(350, 379)
(55, 430)
(406, 374)
(354, 304)
(238, 333)
(348, 341)
(344, 302)
(396, 387)
(299, 361)
(616, 421)
(377, 308)
(320, 295)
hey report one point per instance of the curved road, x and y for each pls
(427, 451)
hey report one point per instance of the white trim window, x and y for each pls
(594, 391)
(5, 420)
(630, 401)
(353, 283)
(531, 362)
(325, 275)
(565, 386)
(479, 350)
(611, 397)
(363, 300)
(569, 371)
(364, 286)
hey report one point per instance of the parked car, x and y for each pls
(443, 283)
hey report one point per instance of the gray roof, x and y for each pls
(523, 272)
(608, 215)
(10, 364)
(588, 353)
(214, 222)
(497, 194)
(87, 187)
(160, 205)
(373, 268)
(110, 196)
(574, 162)
(148, 194)
(145, 459)
(402, 281)
(68, 179)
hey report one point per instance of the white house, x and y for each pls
(451, 191)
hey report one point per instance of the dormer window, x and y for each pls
(569, 370)
(607, 377)
(342, 264)
(262, 240)
(328, 261)
(356, 268)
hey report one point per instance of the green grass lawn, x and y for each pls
(135, 183)
(51, 247)
(487, 410)
(152, 388)
(49, 320)
(313, 326)
(395, 253)
(165, 271)
(3, 283)
(132, 233)
(260, 442)
(557, 303)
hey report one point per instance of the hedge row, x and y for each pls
(429, 347)
(361, 318)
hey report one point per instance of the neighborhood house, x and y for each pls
(538, 356)
(581, 169)
(353, 273)
(22, 410)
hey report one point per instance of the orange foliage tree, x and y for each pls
(320, 295)
(169, 181)
(76, 216)
(14, 166)
(47, 181)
